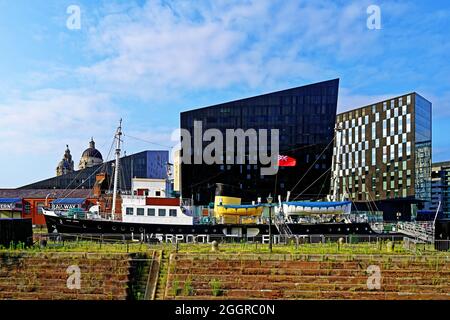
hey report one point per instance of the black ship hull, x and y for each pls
(86, 226)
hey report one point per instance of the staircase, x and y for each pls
(162, 278)
(422, 231)
(279, 276)
(44, 276)
(282, 227)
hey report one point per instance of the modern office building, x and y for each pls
(305, 119)
(145, 164)
(440, 188)
(383, 151)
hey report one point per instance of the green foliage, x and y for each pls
(216, 287)
(188, 290)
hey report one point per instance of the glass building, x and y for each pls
(384, 151)
(440, 188)
(305, 118)
(146, 164)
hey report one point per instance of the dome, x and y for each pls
(90, 157)
(91, 152)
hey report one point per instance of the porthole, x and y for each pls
(131, 229)
(329, 229)
(214, 230)
(122, 228)
(171, 230)
(99, 227)
(307, 230)
(339, 229)
(84, 226)
(114, 228)
(141, 229)
(179, 230)
(348, 229)
(193, 230)
(357, 229)
(206, 230)
(159, 229)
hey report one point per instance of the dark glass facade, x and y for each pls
(146, 164)
(305, 118)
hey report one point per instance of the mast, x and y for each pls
(116, 170)
(336, 162)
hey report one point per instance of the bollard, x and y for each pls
(215, 246)
(390, 246)
(340, 243)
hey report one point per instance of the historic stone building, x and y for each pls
(90, 157)
(66, 165)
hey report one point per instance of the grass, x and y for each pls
(216, 287)
(87, 246)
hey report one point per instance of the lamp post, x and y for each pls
(269, 201)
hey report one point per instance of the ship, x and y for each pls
(144, 217)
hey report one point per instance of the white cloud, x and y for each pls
(45, 120)
(158, 49)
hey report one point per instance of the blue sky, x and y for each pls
(146, 61)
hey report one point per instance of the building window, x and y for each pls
(384, 128)
(408, 100)
(140, 211)
(384, 106)
(27, 208)
(172, 212)
(374, 156)
(129, 211)
(408, 123)
(408, 148)
(162, 212)
(151, 212)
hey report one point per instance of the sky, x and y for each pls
(145, 61)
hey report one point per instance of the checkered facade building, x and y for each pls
(384, 150)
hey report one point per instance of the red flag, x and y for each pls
(286, 161)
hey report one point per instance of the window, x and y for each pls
(27, 208)
(158, 193)
(129, 211)
(140, 211)
(39, 207)
(384, 106)
(400, 125)
(172, 212)
(408, 148)
(374, 156)
(408, 100)
(162, 212)
(374, 131)
(408, 123)
(400, 101)
(400, 150)
(396, 112)
(151, 212)
(377, 117)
